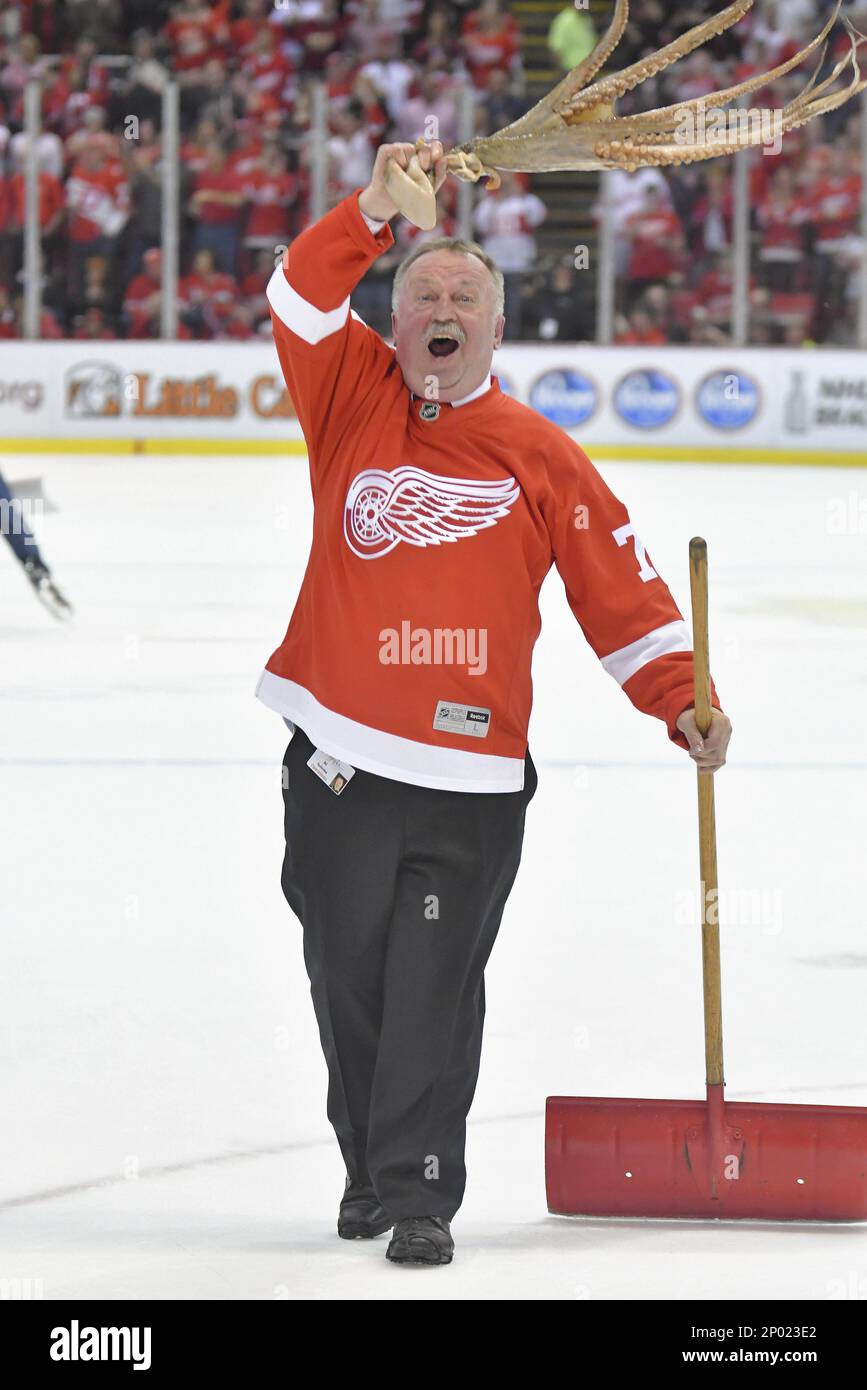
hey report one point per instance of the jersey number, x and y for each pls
(645, 569)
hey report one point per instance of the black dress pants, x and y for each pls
(400, 890)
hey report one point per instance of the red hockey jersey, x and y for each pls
(409, 650)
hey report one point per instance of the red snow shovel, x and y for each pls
(711, 1158)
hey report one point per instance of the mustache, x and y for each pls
(450, 328)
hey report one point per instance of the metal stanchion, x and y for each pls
(170, 211)
(466, 131)
(318, 153)
(741, 248)
(32, 230)
(606, 264)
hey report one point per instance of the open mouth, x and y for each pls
(442, 347)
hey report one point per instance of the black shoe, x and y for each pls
(421, 1240)
(362, 1216)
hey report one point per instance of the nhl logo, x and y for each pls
(429, 411)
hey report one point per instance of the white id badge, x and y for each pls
(331, 771)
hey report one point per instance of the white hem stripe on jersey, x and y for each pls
(303, 318)
(389, 755)
(673, 637)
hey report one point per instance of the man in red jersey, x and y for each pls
(440, 505)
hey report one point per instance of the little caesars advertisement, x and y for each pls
(702, 403)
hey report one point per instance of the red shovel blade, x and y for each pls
(608, 1157)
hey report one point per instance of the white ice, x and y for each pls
(162, 1089)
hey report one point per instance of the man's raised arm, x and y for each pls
(329, 357)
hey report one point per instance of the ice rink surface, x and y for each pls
(162, 1088)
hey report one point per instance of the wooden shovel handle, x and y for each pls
(710, 944)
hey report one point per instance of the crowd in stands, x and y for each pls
(394, 70)
(674, 228)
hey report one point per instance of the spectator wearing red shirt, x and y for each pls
(218, 197)
(93, 131)
(247, 157)
(243, 31)
(143, 299)
(97, 200)
(261, 111)
(658, 244)
(490, 39)
(194, 151)
(642, 331)
(229, 322)
(835, 204)
(781, 218)
(202, 292)
(195, 33)
(267, 70)
(246, 160)
(270, 191)
(715, 290)
(93, 326)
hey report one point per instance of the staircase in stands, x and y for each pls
(568, 196)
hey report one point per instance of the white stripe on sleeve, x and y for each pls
(673, 637)
(304, 319)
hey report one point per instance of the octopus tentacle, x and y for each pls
(627, 155)
(609, 88)
(728, 94)
(578, 78)
(580, 130)
(813, 91)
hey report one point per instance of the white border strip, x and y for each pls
(303, 318)
(388, 755)
(673, 637)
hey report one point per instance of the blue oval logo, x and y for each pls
(647, 399)
(728, 400)
(566, 398)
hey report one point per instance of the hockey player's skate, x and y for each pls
(421, 1240)
(47, 591)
